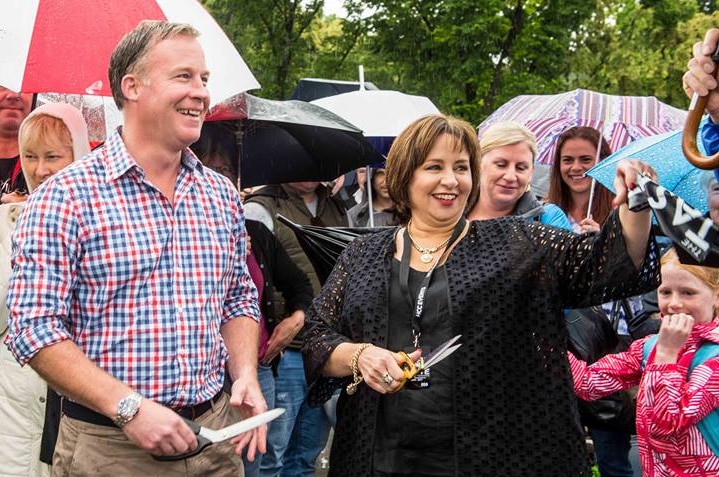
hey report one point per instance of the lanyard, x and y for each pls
(418, 304)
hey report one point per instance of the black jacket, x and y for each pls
(508, 281)
(280, 273)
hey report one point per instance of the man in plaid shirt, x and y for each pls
(130, 293)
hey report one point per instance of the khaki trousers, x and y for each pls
(85, 449)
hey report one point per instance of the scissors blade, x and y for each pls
(240, 427)
(441, 352)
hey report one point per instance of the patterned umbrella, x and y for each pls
(622, 119)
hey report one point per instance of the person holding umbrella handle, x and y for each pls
(699, 83)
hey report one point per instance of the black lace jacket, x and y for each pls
(515, 413)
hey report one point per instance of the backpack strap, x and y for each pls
(649, 345)
(709, 425)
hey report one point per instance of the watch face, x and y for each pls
(127, 408)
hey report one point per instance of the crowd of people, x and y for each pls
(139, 290)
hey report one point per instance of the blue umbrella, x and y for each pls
(664, 153)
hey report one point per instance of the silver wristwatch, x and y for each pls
(127, 409)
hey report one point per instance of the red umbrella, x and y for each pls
(622, 119)
(64, 46)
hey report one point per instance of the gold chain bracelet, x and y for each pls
(354, 364)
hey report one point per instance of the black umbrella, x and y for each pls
(323, 245)
(309, 89)
(291, 141)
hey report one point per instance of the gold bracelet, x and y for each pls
(354, 364)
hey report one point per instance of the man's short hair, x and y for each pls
(129, 55)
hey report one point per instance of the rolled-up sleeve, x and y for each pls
(242, 299)
(45, 251)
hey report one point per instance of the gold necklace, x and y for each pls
(426, 252)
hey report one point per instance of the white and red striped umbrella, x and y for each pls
(64, 46)
(622, 119)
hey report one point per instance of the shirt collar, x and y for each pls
(119, 160)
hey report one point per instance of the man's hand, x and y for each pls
(283, 335)
(247, 398)
(159, 430)
(699, 77)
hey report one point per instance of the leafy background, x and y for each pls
(471, 56)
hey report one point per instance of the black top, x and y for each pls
(415, 426)
(7, 185)
(513, 404)
(280, 273)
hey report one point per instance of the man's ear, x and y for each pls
(130, 86)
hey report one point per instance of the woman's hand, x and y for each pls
(375, 363)
(283, 334)
(636, 226)
(626, 178)
(13, 198)
(673, 335)
(589, 225)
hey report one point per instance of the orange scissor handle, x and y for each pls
(691, 126)
(409, 369)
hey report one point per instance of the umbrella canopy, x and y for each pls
(290, 141)
(100, 113)
(664, 154)
(380, 114)
(64, 46)
(621, 119)
(309, 89)
(323, 245)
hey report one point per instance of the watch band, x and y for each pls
(127, 409)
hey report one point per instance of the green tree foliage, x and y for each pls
(271, 36)
(633, 48)
(471, 56)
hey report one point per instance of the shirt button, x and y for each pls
(182, 351)
(42, 399)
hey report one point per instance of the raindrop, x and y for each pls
(94, 88)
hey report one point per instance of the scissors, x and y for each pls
(206, 437)
(410, 369)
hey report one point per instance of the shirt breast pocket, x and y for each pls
(122, 252)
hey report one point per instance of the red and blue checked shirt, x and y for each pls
(668, 404)
(102, 258)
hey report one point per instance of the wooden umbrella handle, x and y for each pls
(691, 127)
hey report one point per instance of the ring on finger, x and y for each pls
(387, 378)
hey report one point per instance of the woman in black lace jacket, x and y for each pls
(503, 403)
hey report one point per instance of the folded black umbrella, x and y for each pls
(323, 245)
